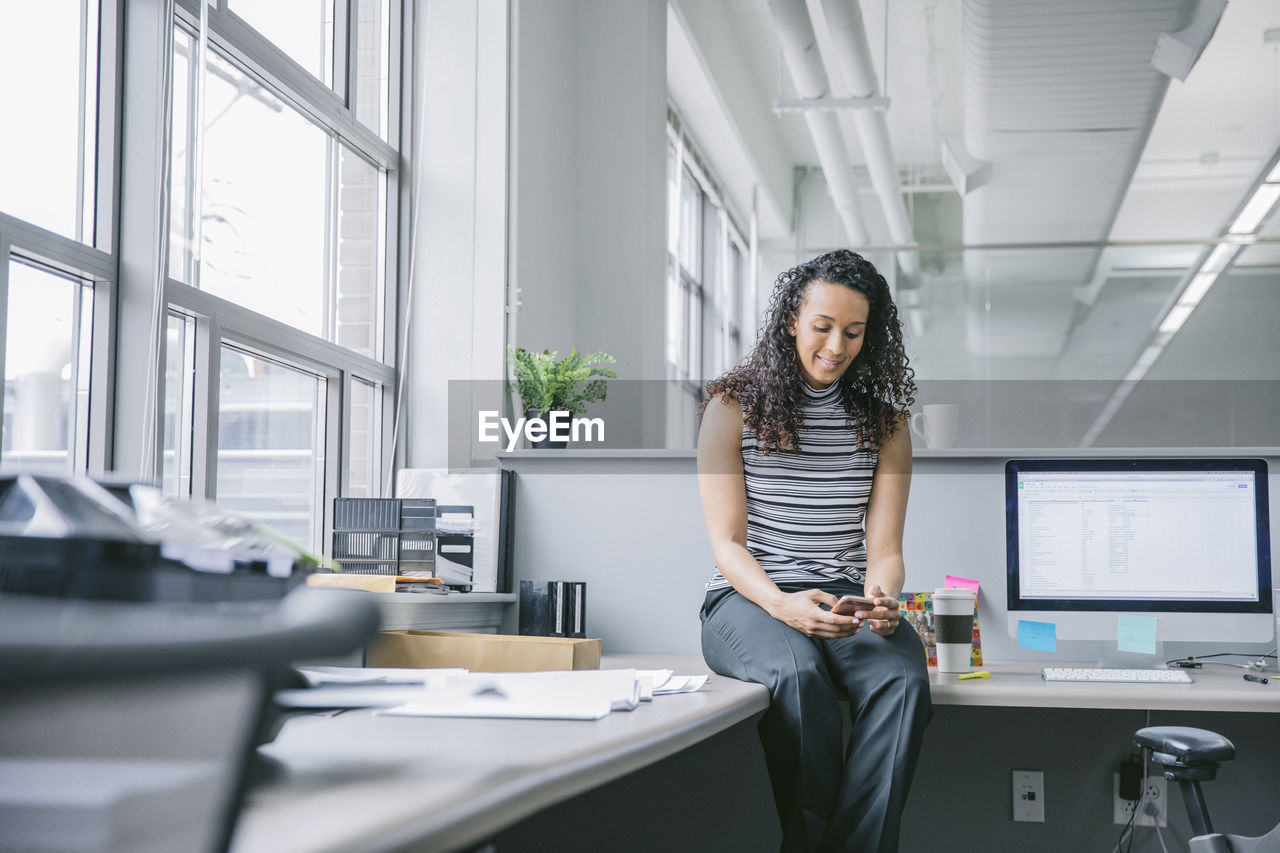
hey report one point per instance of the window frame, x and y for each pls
(220, 322)
(65, 256)
(122, 246)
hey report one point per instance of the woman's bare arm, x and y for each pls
(885, 521)
(722, 484)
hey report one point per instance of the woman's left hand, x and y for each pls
(883, 620)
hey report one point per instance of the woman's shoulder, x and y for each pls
(723, 407)
(720, 436)
(730, 398)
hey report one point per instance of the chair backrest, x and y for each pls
(129, 727)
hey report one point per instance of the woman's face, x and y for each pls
(829, 330)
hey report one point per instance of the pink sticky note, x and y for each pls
(954, 582)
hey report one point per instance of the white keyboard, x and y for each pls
(1142, 676)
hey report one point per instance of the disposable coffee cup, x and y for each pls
(953, 628)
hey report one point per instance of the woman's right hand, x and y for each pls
(800, 610)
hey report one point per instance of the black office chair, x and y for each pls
(1190, 756)
(130, 727)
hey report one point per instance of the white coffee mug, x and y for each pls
(953, 628)
(941, 424)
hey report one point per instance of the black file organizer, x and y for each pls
(463, 560)
(385, 536)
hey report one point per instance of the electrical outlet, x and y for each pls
(1156, 797)
(1028, 796)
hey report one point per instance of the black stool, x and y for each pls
(1189, 756)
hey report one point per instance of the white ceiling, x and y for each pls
(1211, 131)
(1052, 312)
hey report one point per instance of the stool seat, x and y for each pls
(1181, 746)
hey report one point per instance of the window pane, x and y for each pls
(361, 226)
(690, 223)
(364, 442)
(303, 29)
(675, 313)
(372, 65)
(48, 58)
(673, 201)
(179, 397)
(271, 444)
(182, 167)
(265, 201)
(45, 370)
(291, 222)
(693, 333)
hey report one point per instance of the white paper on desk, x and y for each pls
(354, 676)
(681, 684)
(622, 687)
(350, 696)
(521, 699)
(581, 695)
(658, 676)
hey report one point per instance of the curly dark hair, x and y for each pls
(877, 389)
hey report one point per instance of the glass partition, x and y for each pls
(1093, 346)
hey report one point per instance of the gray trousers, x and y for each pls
(828, 799)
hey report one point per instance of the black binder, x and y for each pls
(535, 616)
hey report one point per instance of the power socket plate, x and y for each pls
(1028, 796)
(1157, 794)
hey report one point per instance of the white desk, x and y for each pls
(1018, 684)
(360, 782)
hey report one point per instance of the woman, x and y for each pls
(804, 463)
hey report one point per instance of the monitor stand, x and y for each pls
(1113, 658)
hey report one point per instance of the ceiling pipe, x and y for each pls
(853, 55)
(800, 50)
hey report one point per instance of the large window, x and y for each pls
(53, 215)
(290, 222)
(245, 352)
(707, 275)
(279, 251)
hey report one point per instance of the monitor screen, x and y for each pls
(1181, 537)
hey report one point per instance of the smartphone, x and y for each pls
(850, 604)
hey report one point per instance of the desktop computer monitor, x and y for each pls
(1185, 540)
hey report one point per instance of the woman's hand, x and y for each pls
(883, 620)
(800, 610)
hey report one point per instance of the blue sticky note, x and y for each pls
(1136, 634)
(1038, 636)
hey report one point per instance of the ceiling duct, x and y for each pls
(1060, 98)
(800, 50)
(853, 56)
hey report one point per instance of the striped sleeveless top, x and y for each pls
(805, 509)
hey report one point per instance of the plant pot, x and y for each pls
(543, 443)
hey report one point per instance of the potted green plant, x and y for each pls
(547, 383)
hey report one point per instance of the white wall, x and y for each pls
(457, 274)
(543, 149)
(588, 188)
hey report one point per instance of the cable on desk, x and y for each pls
(1258, 664)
